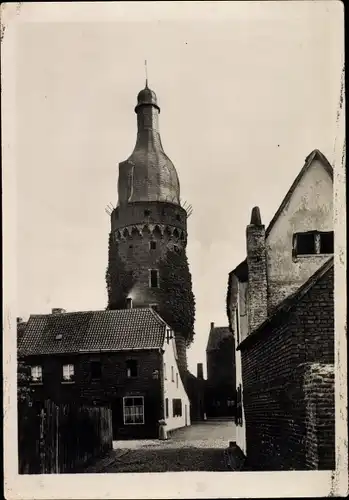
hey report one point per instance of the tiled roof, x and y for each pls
(217, 334)
(92, 331)
(287, 304)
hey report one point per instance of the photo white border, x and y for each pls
(172, 484)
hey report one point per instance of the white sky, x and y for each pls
(244, 98)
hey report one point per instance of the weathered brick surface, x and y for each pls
(109, 389)
(273, 373)
(166, 224)
(320, 416)
(257, 276)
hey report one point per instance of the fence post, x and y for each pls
(42, 441)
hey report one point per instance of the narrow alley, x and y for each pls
(201, 447)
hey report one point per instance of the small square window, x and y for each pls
(131, 368)
(304, 244)
(327, 242)
(96, 369)
(36, 374)
(152, 245)
(68, 373)
(147, 213)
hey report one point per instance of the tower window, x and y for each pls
(147, 213)
(154, 278)
(152, 245)
(131, 368)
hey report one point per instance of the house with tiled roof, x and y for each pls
(220, 359)
(123, 359)
(280, 306)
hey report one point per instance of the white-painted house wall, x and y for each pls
(240, 325)
(172, 390)
(309, 208)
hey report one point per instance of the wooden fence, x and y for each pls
(60, 439)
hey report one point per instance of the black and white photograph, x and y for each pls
(174, 249)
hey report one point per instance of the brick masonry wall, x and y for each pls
(109, 389)
(166, 224)
(320, 416)
(257, 276)
(273, 371)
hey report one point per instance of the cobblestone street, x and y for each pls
(200, 447)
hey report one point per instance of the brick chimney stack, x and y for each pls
(257, 271)
(212, 325)
(200, 371)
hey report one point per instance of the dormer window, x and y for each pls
(313, 243)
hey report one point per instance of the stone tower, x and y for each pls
(149, 232)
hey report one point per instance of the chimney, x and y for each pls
(19, 320)
(257, 306)
(200, 371)
(58, 310)
(212, 325)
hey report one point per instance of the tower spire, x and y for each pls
(146, 74)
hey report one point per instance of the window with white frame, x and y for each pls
(68, 373)
(165, 371)
(36, 373)
(177, 380)
(133, 410)
(172, 374)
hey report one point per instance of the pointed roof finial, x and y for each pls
(256, 217)
(146, 74)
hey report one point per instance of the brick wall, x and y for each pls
(320, 416)
(257, 275)
(109, 389)
(273, 373)
(221, 376)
